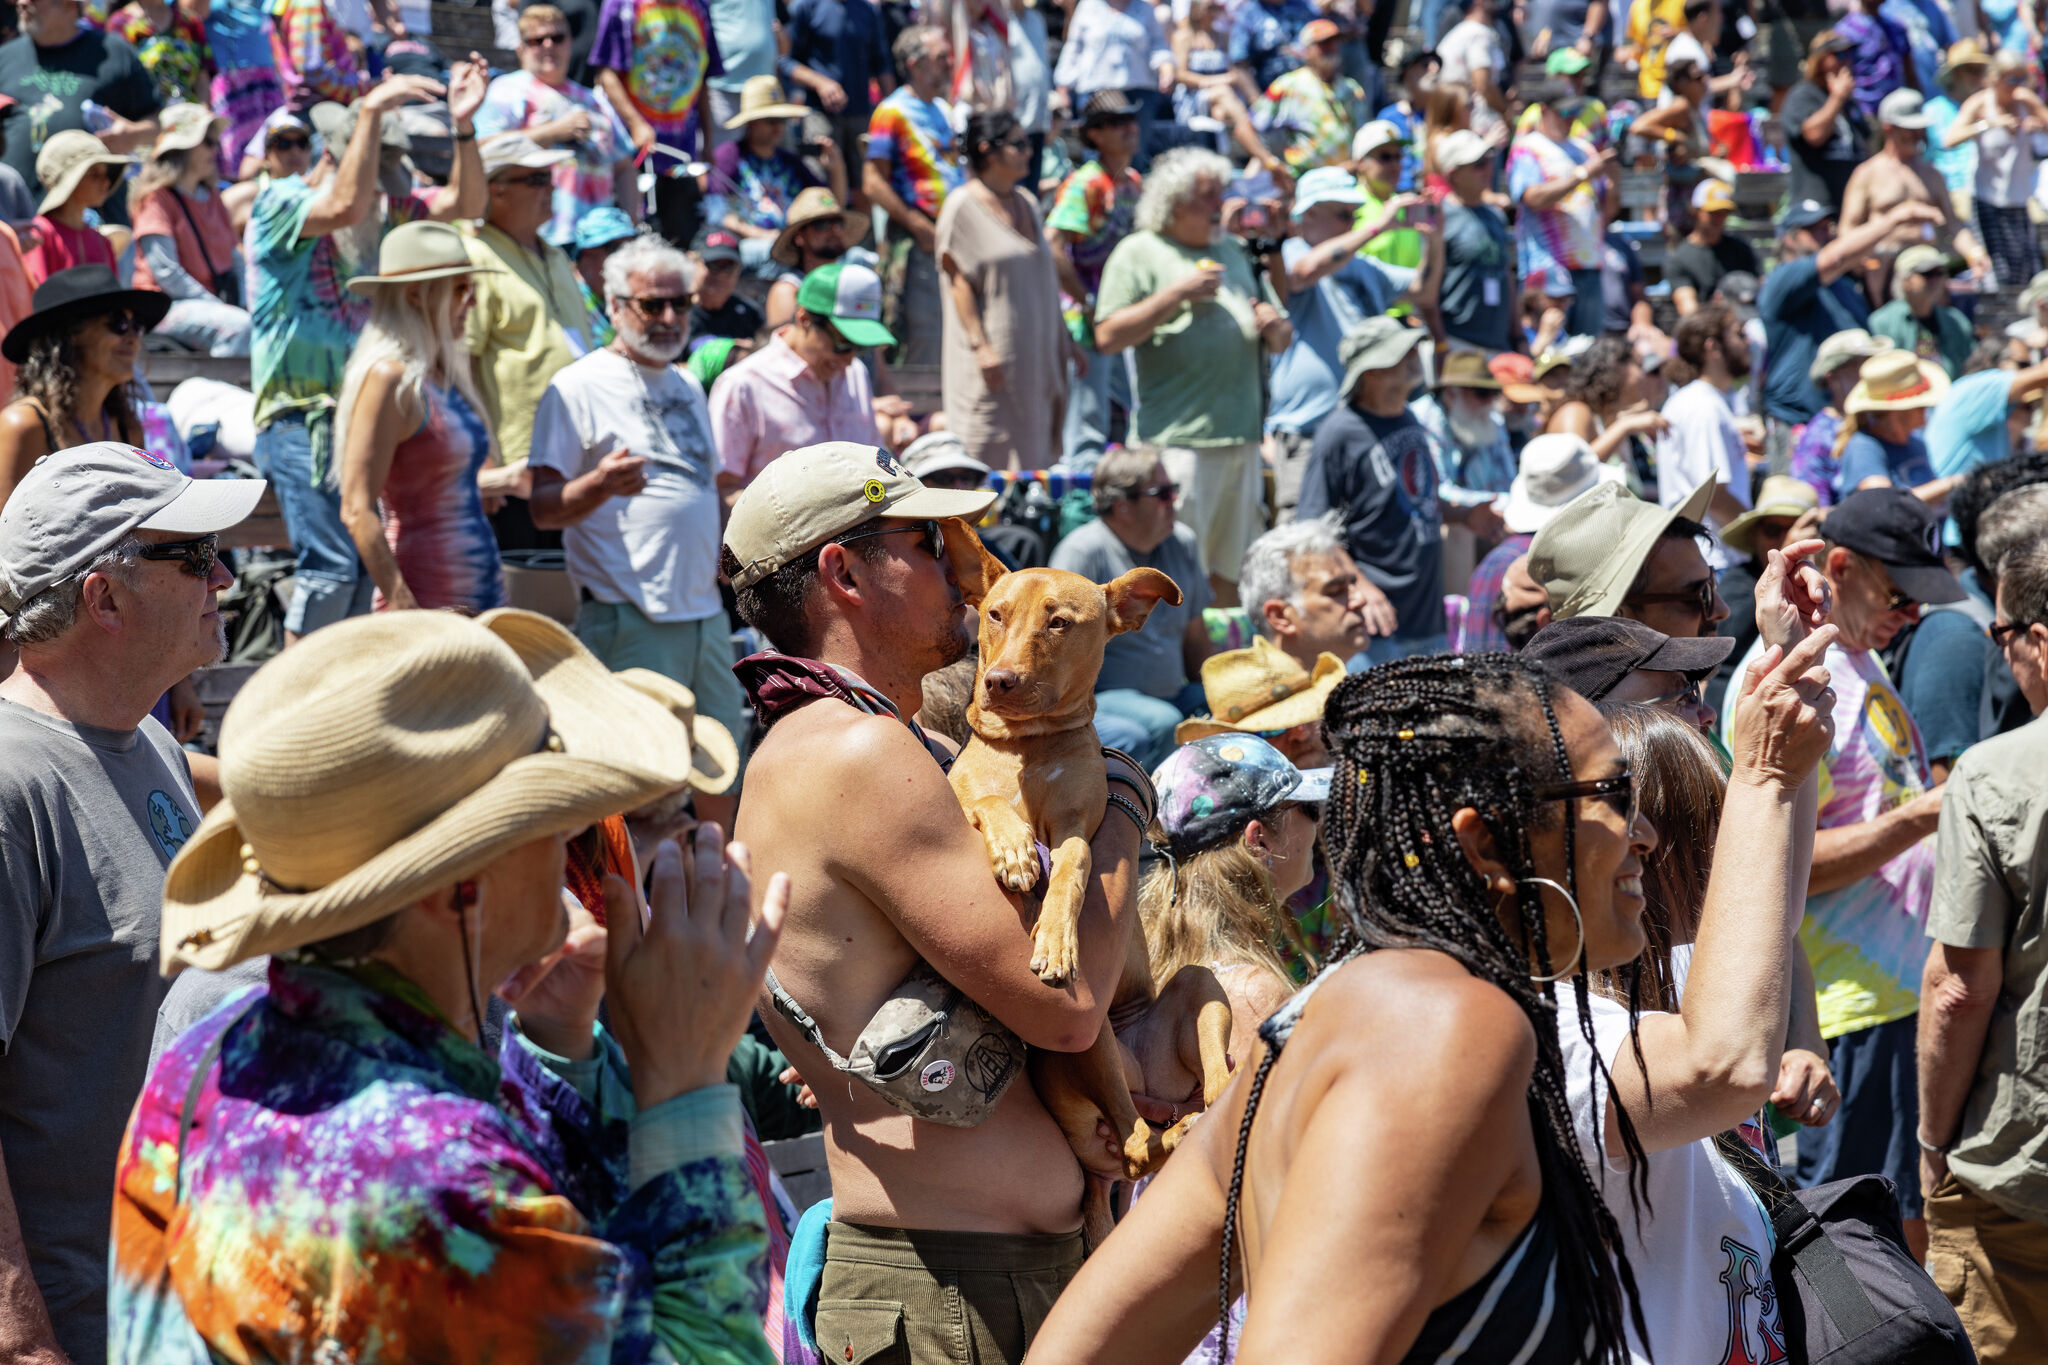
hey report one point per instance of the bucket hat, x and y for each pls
(1589, 553)
(1896, 381)
(71, 296)
(64, 160)
(1839, 349)
(812, 206)
(1263, 688)
(1556, 468)
(603, 226)
(388, 756)
(1781, 496)
(804, 498)
(1377, 344)
(184, 126)
(416, 252)
(761, 97)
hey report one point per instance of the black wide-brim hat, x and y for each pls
(71, 296)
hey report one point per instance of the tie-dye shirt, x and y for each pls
(434, 512)
(518, 100)
(665, 51)
(1317, 118)
(915, 137)
(1868, 940)
(176, 58)
(311, 51)
(362, 1183)
(1567, 235)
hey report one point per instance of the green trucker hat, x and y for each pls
(851, 295)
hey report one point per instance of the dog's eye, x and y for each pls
(1058, 623)
(992, 614)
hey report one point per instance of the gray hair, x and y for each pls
(53, 611)
(909, 45)
(1171, 182)
(649, 251)
(1267, 574)
(1121, 472)
(2012, 521)
(2023, 583)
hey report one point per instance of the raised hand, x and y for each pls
(1785, 717)
(1792, 596)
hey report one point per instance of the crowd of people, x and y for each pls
(1598, 455)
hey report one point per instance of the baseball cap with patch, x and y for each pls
(1897, 530)
(851, 295)
(717, 244)
(804, 498)
(74, 506)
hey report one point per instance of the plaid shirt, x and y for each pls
(1482, 634)
(362, 1183)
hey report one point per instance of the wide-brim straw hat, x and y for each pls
(390, 756)
(1964, 53)
(1262, 688)
(761, 97)
(414, 253)
(814, 205)
(714, 755)
(1897, 381)
(1781, 496)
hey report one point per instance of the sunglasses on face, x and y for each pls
(934, 541)
(1700, 596)
(121, 324)
(197, 555)
(1385, 154)
(1689, 694)
(290, 144)
(548, 40)
(1165, 492)
(678, 304)
(1894, 599)
(1617, 793)
(538, 180)
(840, 345)
(2003, 633)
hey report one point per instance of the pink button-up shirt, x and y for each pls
(771, 403)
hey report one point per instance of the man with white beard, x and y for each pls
(623, 463)
(1468, 439)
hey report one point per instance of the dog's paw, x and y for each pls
(1171, 1138)
(1053, 950)
(1015, 861)
(1142, 1152)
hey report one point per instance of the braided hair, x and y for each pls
(1415, 741)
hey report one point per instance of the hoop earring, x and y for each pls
(1579, 950)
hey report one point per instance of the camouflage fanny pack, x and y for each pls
(929, 1051)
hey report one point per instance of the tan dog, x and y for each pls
(1034, 771)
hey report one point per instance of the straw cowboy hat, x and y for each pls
(1781, 496)
(761, 97)
(814, 205)
(1261, 689)
(392, 755)
(65, 159)
(416, 252)
(1896, 382)
(714, 757)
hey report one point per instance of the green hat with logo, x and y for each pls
(850, 295)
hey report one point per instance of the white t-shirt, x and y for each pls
(659, 548)
(1703, 443)
(1472, 46)
(1702, 1258)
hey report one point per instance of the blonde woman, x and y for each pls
(412, 435)
(1240, 824)
(185, 242)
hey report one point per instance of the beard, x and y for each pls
(1738, 365)
(1470, 428)
(664, 345)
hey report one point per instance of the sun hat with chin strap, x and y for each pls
(389, 756)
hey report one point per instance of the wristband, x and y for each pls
(1942, 1149)
(469, 136)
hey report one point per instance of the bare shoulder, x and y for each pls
(830, 752)
(1461, 1039)
(20, 418)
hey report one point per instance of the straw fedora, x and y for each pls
(1965, 53)
(1261, 689)
(761, 97)
(65, 159)
(812, 206)
(392, 755)
(185, 126)
(416, 252)
(1466, 370)
(1781, 496)
(1896, 381)
(714, 757)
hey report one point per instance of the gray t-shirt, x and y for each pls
(1990, 886)
(89, 819)
(1148, 660)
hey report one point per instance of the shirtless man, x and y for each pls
(832, 558)
(1897, 173)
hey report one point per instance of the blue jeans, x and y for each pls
(329, 584)
(1142, 725)
(1384, 649)
(1875, 1130)
(1088, 407)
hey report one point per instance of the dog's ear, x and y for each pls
(973, 565)
(1132, 597)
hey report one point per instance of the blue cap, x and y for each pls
(1805, 213)
(602, 227)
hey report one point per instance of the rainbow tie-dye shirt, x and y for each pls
(915, 136)
(361, 1183)
(665, 51)
(1565, 236)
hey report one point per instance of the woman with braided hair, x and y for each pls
(1421, 1131)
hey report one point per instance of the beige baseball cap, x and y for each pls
(804, 498)
(1587, 556)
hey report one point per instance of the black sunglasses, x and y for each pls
(547, 39)
(122, 323)
(197, 554)
(1385, 154)
(1894, 599)
(1700, 595)
(289, 144)
(2002, 634)
(934, 539)
(678, 304)
(1618, 793)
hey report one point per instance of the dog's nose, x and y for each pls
(1000, 679)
